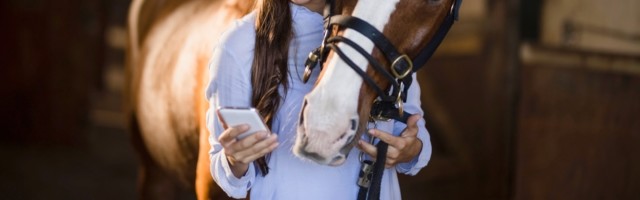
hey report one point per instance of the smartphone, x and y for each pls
(233, 116)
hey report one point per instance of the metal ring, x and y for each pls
(400, 106)
(399, 103)
(405, 73)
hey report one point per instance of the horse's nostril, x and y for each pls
(304, 105)
(353, 124)
(350, 139)
(312, 155)
(337, 158)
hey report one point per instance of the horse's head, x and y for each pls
(336, 111)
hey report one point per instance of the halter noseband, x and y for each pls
(389, 104)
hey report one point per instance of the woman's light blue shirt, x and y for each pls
(290, 178)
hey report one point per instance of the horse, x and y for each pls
(369, 51)
(170, 42)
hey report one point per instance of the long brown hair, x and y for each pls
(269, 69)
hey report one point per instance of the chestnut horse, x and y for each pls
(340, 99)
(170, 42)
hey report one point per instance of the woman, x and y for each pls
(259, 63)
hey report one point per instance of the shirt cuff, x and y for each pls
(417, 163)
(243, 181)
(406, 167)
(230, 184)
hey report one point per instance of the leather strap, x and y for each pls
(386, 106)
(426, 53)
(380, 41)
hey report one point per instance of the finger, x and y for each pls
(386, 137)
(412, 126)
(392, 157)
(259, 149)
(224, 124)
(263, 152)
(368, 148)
(392, 153)
(229, 135)
(250, 141)
(254, 138)
(390, 164)
(258, 145)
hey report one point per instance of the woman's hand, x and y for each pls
(401, 149)
(240, 153)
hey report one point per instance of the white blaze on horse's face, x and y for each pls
(326, 136)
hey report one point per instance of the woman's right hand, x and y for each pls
(240, 153)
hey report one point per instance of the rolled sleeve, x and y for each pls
(413, 106)
(229, 85)
(233, 186)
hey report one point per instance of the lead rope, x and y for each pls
(370, 177)
(366, 171)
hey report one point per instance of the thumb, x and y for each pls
(412, 125)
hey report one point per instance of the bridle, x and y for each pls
(389, 104)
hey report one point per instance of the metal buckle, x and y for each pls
(366, 174)
(312, 60)
(378, 116)
(397, 61)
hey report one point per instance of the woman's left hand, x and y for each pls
(402, 148)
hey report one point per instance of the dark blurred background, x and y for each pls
(525, 99)
(61, 77)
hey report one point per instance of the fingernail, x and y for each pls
(372, 132)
